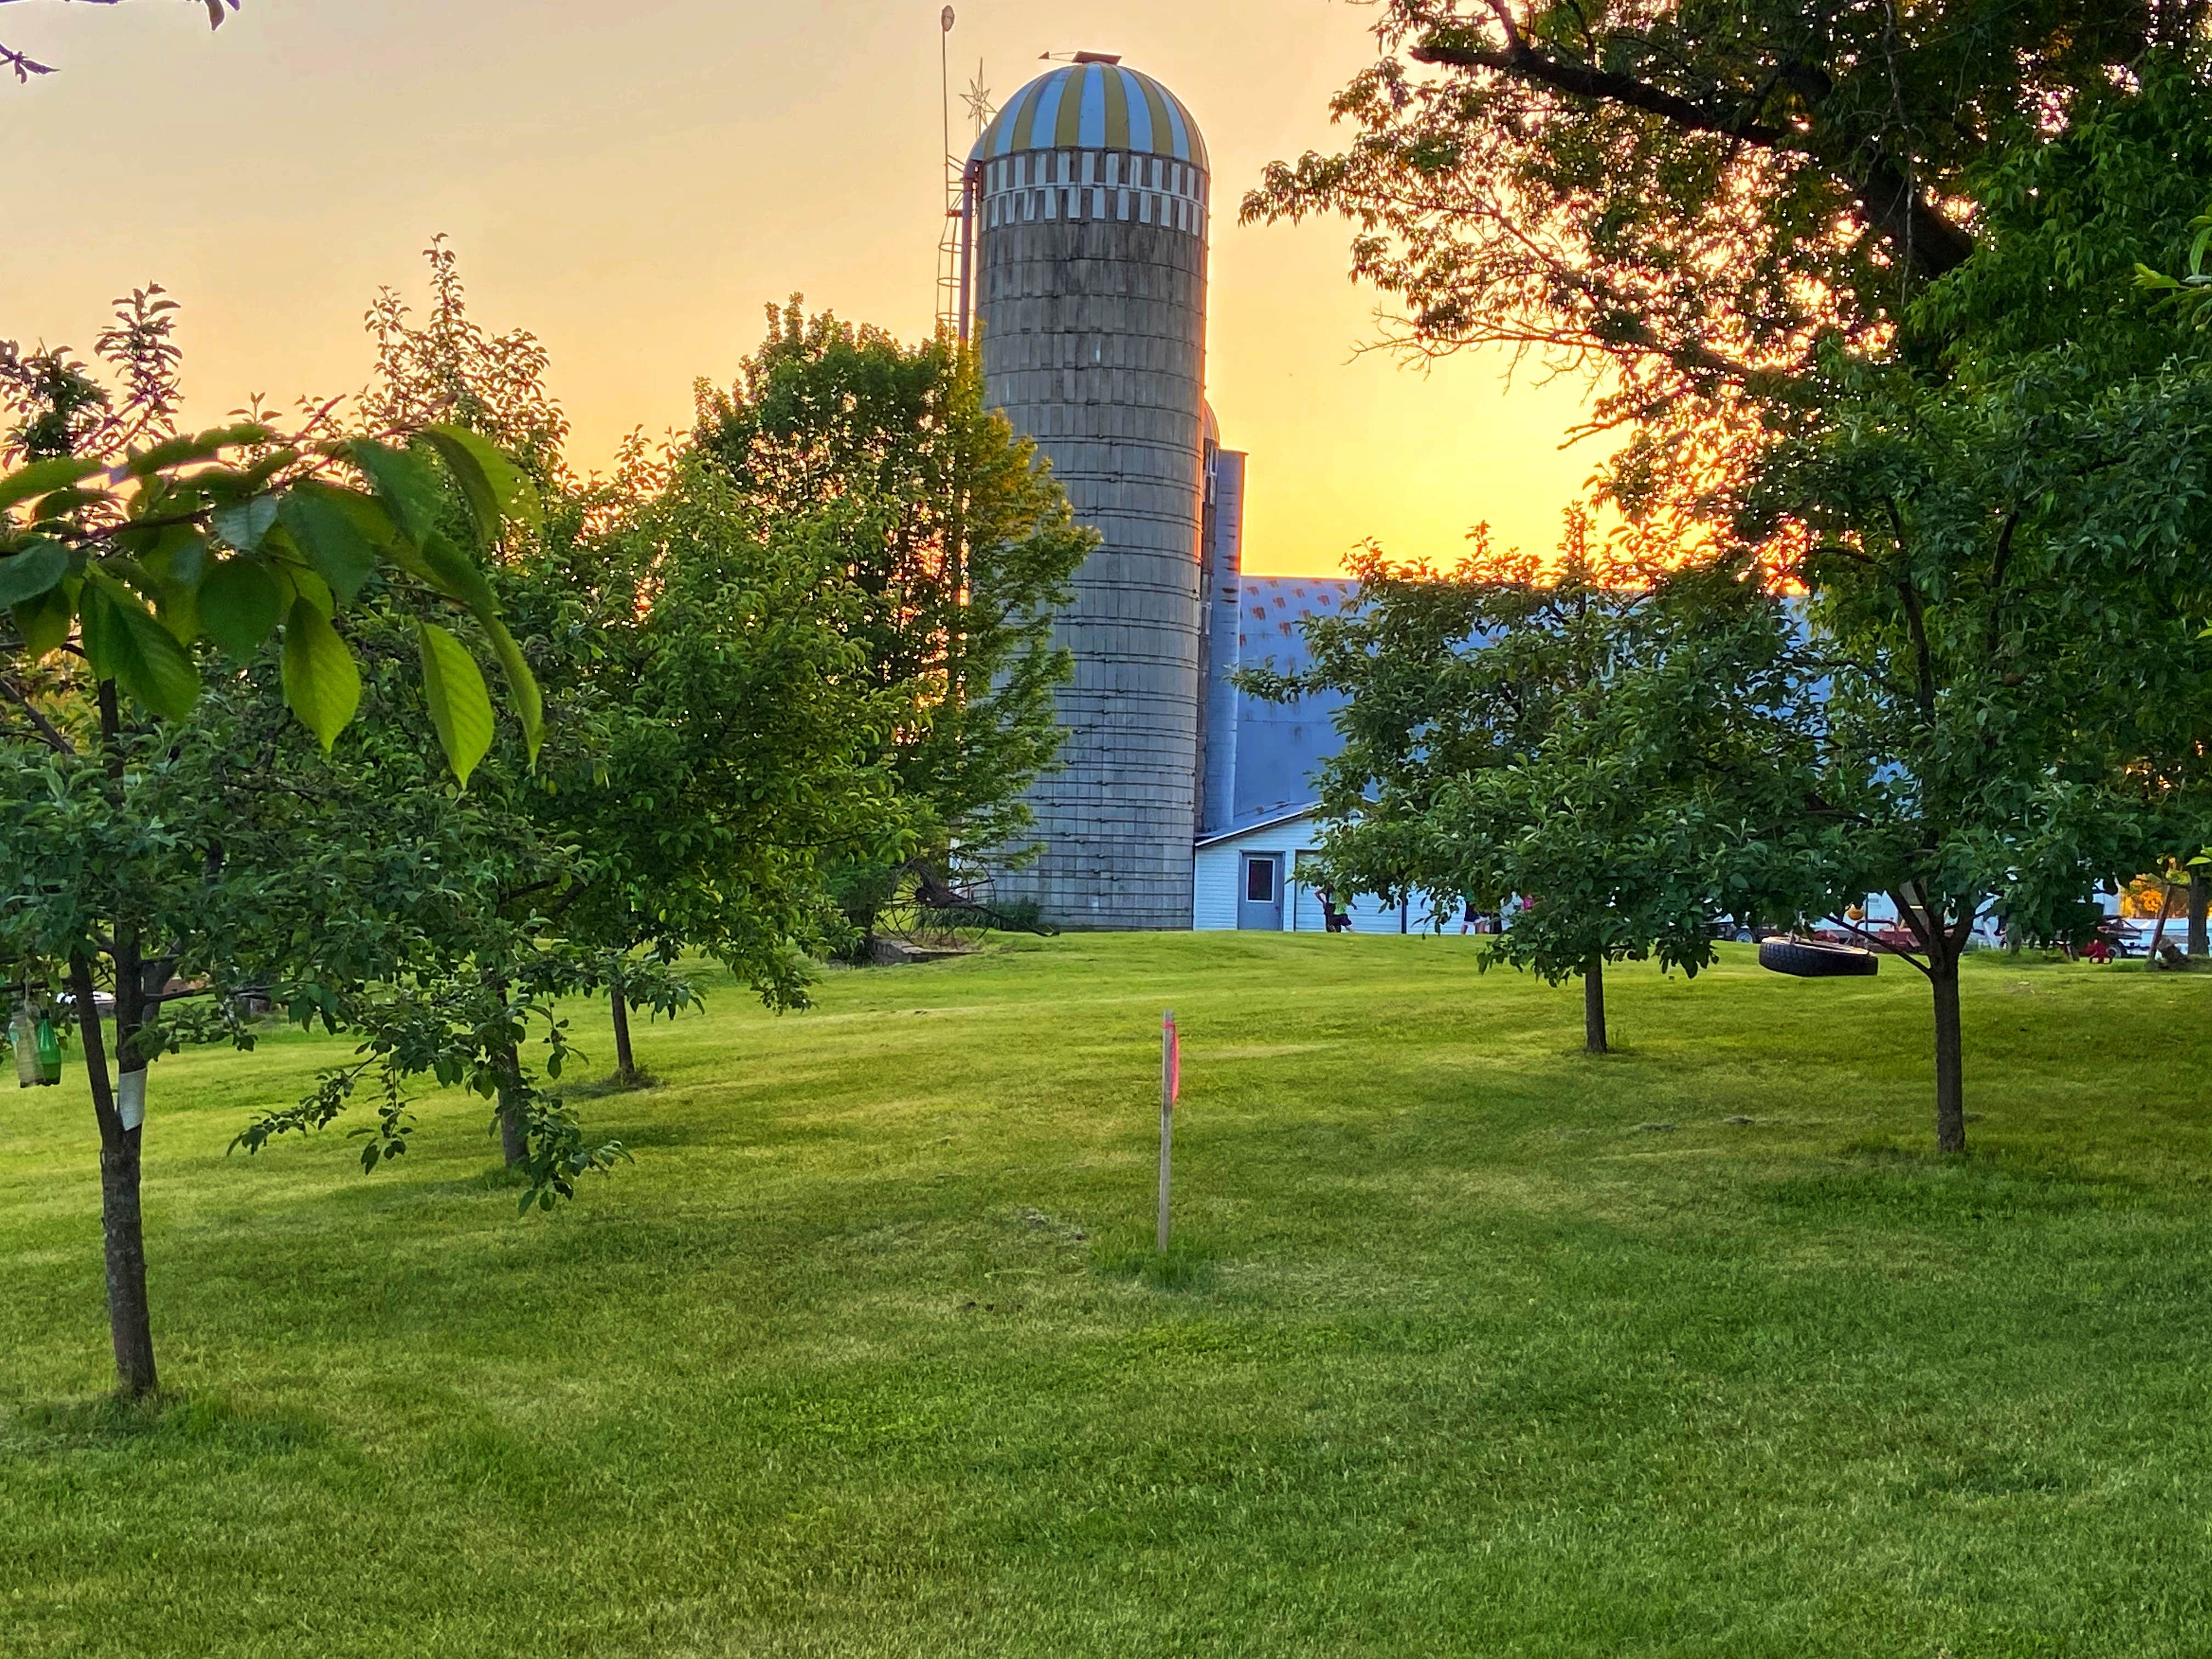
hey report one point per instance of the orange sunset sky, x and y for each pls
(633, 181)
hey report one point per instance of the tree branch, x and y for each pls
(1915, 619)
(25, 68)
(1875, 942)
(1997, 566)
(1890, 196)
(1918, 917)
(1525, 63)
(47, 730)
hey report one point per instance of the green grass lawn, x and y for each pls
(1471, 1344)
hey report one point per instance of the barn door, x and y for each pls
(1260, 900)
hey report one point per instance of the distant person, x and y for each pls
(1332, 918)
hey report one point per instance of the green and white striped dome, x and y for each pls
(1094, 105)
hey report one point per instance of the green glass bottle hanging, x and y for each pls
(50, 1052)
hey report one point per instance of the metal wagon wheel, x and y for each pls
(927, 911)
(950, 908)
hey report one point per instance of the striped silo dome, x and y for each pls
(1094, 106)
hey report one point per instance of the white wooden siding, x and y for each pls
(1218, 870)
(1213, 889)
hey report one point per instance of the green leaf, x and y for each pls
(179, 556)
(456, 573)
(302, 583)
(240, 603)
(180, 451)
(257, 477)
(495, 488)
(244, 524)
(235, 437)
(407, 489)
(42, 476)
(124, 642)
(179, 608)
(132, 574)
(44, 623)
(332, 542)
(362, 510)
(31, 569)
(322, 685)
(521, 684)
(59, 503)
(460, 707)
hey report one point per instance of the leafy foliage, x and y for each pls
(956, 543)
(161, 836)
(447, 370)
(1596, 749)
(1687, 199)
(233, 534)
(722, 742)
(718, 743)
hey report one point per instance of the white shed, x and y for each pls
(1250, 878)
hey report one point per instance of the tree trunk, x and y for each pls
(1950, 1085)
(514, 1136)
(129, 1319)
(1594, 1007)
(625, 1061)
(2158, 928)
(507, 1067)
(2200, 904)
(122, 1223)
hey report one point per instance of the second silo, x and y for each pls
(1090, 196)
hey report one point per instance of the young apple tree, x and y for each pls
(144, 574)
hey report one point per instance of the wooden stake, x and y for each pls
(1171, 1085)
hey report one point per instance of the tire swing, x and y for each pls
(1806, 959)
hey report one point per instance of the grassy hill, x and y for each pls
(1471, 1345)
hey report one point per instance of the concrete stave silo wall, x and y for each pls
(1093, 341)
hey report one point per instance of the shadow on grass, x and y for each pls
(492, 1178)
(638, 1134)
(1878, 1181)
(600, 1088)
(174, 1422)
(1187, 1267)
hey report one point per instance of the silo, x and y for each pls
(1089, 192)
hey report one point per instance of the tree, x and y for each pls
(26, 66)
(129, 556)
(2006, 593)
(1857, 276)
(720, 745)
(958, 544)
(1595, 751)
(1659, 804)
(2005, 555)
(1684, 201)
(447, 368)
